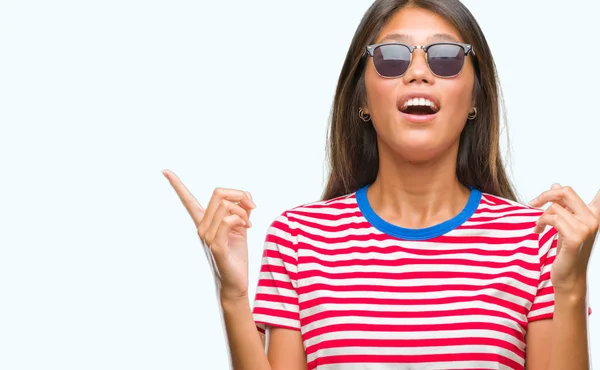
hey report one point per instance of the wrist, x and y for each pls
(233, 301)
(571, 298)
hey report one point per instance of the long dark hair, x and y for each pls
(352, 153)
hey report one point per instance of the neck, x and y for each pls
(417, 195)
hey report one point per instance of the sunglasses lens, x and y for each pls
(446, 60)
(391, 60)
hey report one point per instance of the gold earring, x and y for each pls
(472, 114)
(366, 117)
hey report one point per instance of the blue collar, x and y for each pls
(417, 234)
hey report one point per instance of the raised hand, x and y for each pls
(577, 226)
(222, 228)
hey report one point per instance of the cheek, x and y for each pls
(381, 96)
(459, 97)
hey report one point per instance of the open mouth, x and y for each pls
(419, 107)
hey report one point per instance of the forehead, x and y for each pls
(418, 26)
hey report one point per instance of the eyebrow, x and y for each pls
(406, 38)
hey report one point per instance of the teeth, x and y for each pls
(419, 102)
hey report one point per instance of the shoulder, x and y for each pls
(321, 209)
(313, 216)
(309, 219)
(516, 213)
(508, 207)
(510, 214)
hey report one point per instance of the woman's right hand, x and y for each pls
(222, 226)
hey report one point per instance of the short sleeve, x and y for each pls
(543, 303)
(276, 300)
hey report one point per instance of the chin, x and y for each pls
(417, 149)
(418, 156)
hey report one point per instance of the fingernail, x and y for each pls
(251, 200)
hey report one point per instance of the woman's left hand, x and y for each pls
(577, 226)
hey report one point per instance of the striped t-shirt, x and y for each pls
(367, 294)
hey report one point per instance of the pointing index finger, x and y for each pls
(568, 199)
(543, 198)
(189, 201)
(564, 195)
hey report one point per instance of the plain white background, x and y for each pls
(100, 266)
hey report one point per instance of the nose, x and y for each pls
(418, 71)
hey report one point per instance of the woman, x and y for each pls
(418, 256)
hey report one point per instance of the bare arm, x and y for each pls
(285, 352)
(222, 229)
(562, 342)
(245, 345)
(569, 348)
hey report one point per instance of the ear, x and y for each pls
(476, 89)
(364, 115)
(363, 105)
(473, 107)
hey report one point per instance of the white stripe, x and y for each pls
(276, 291)
(500, 214)
(509, 218)
(418, 245)
(307, 282)
(494, 234)
(327, 211)
(276, 321)
(406, 295)
(346, 229)
(439, 309)
(400, 255)
(386, 335)
(543, 311)
(331, 223)
(441, 266)
(415, 351)
(336, 320)
(458, 365)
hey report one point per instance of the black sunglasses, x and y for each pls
(445, 59)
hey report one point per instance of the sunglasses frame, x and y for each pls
(467, 48)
